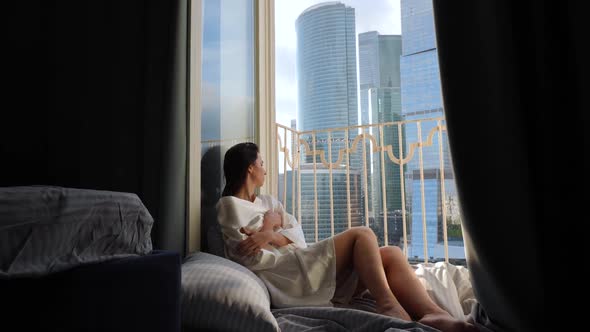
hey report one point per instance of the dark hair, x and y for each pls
(235, 166)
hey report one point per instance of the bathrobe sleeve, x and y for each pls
(231, 217)
(291, 228)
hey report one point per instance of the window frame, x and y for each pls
(264, 86)
(266, 132)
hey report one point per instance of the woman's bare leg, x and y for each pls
(413, 296)
(403, 282)
(358, 247)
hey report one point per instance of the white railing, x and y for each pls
(365, 173)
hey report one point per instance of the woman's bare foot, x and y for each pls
(395, 311)
(445, 322)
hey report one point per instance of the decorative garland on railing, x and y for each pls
(376, 148)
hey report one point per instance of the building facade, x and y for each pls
(327, 99)
(326, 71)
(421, 100)
(380, 102)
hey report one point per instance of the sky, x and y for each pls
(383, 16)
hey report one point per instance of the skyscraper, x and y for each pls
(379, 66)
(327, 98)
(379, 74)
(325, 211)
(422, 99)
(326, 69)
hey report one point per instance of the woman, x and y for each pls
(260, 235)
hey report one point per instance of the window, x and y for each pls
(345, 69)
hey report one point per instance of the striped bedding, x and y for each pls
(341, 320)
(219, 294)
(45, 229)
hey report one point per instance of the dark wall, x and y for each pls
(97, 95)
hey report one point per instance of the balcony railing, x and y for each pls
(337, 178)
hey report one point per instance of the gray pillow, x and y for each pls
(220, 294)
(46, 229)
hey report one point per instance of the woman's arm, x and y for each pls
(259, 240)
(278, 229)
(279, 240)
(272, 221)
(292, 230)
(233, 219)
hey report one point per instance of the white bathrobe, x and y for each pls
(295, 274)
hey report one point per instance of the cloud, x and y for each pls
(288, 60)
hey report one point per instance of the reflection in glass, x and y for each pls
(227, 96)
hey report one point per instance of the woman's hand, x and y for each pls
(272, 221)
(255, 241)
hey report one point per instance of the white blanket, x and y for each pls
(449, 286)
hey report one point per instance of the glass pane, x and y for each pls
(370, 64)
(228, 92)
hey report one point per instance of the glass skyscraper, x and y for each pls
(326, 70)
(327, 98)
(379, 66)
(323, 190)
(422, 99)
(380, 95)
(323, 198)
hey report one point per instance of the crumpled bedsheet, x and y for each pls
(46, 229)
(448, 285)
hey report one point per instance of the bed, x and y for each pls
(82, 260)
(219, 294)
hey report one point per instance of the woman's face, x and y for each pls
(257, 172)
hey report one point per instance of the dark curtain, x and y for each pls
(98, 95)
(511, 74)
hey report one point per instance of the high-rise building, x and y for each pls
(421, 100)
(325, 210)
(338, 210)
(326, 70)
(380, 95)
(327, 98)
(379, 67)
